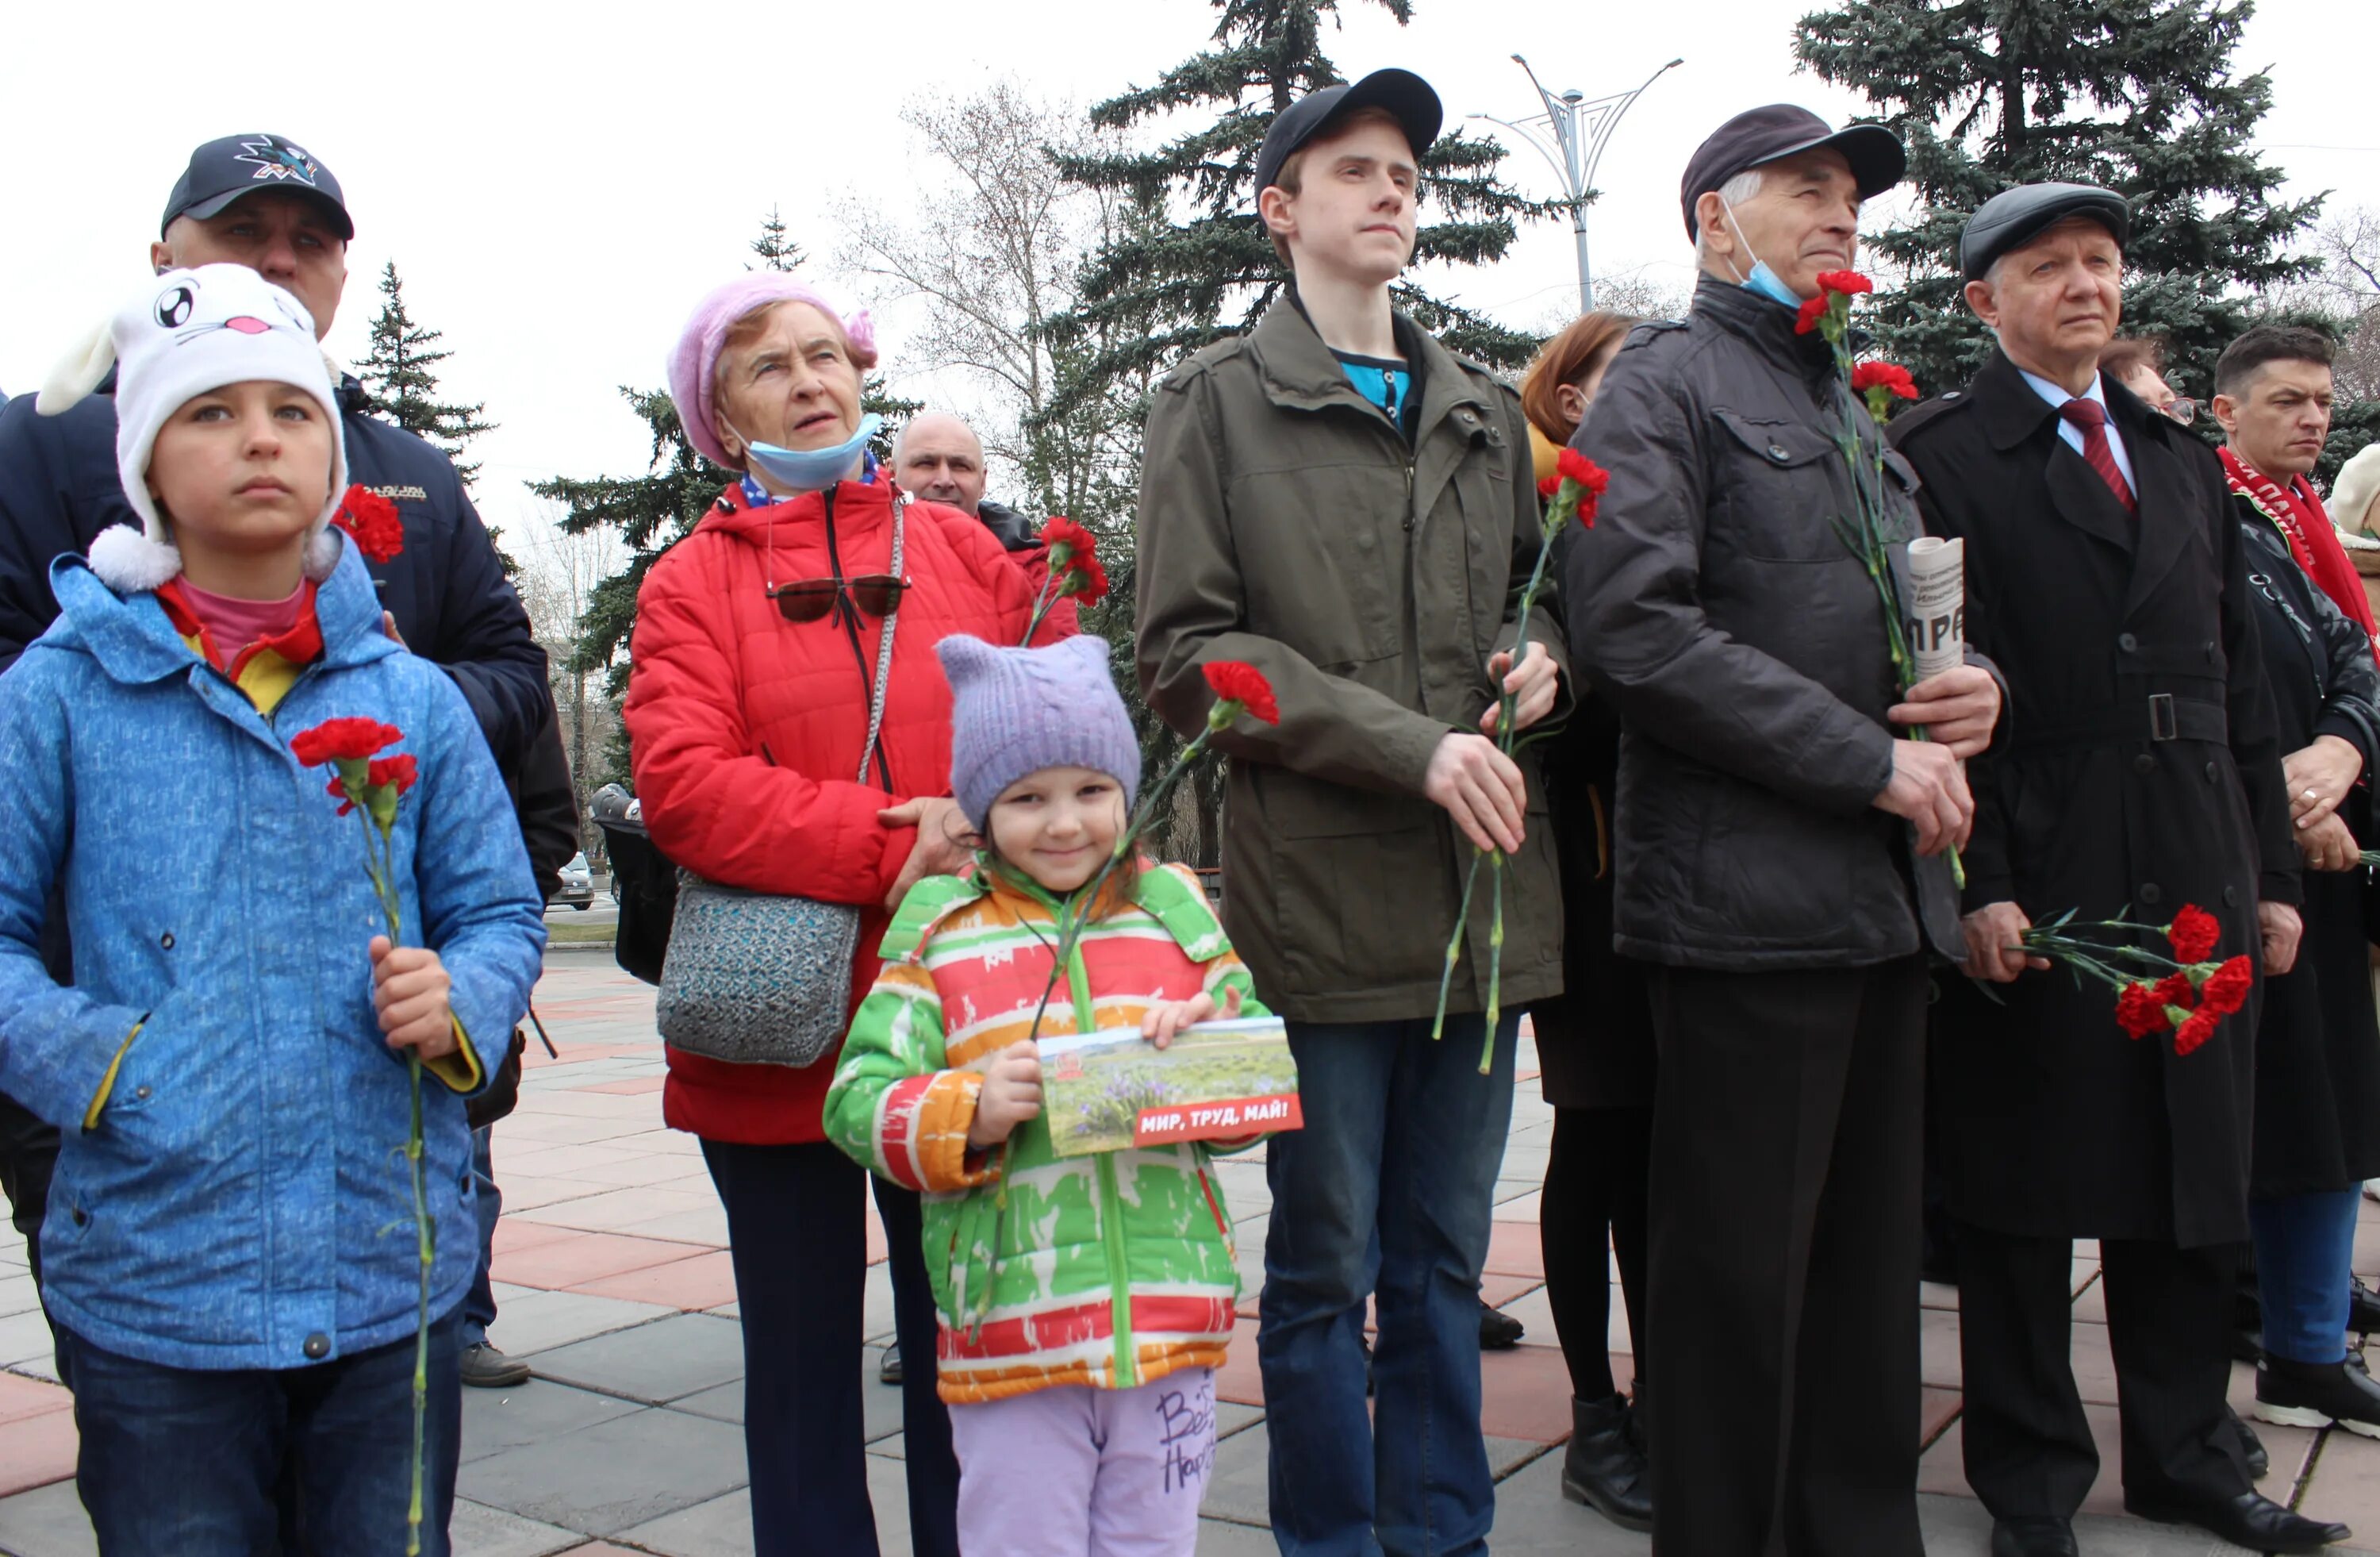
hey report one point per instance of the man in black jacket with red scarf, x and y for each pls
(2106, 579)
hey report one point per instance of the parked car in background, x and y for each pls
(577, 884)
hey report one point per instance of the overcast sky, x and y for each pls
(558, 187)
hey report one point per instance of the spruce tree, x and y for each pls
(2137, 95)
(1196, 264)
(400, 384)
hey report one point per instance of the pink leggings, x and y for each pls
(1077, 1472)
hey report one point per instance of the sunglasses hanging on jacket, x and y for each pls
(810, 599)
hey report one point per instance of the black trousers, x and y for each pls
(1593, 1212)
(1783, 1378)
(2028, 1443)
(797, 1237)
(29, 1150)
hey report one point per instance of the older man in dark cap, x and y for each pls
(2106, 579)
(1781, 861)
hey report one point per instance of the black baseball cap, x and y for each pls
(2014, 218)
(222, 171)
(1763, 135)
(1405, 96)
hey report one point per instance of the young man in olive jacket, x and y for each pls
(1338, 501)
(1780, 853)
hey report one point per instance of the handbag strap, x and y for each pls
(883, 650)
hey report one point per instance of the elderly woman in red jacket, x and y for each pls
(755, 654)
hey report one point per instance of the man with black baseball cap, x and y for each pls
(1779, 848)
(1339, 499)
(2108, 580)
(266, 202)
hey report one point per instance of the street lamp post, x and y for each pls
(1581, 129)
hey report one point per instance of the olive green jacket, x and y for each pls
(1285, 521)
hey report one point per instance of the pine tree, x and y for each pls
(1196, 265)
(658, 509)
(398, 380)
(2137, 95)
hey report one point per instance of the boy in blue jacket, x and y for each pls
(229, 1251)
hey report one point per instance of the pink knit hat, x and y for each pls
(697, 353)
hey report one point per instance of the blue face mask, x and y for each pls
(1763, 280)
(812, 469)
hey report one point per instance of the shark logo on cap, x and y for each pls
(277, 158)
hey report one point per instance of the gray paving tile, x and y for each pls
(1533, 1519)
(538, 1320)
(659, 1361)
(479, 1531)
(719, 1527)
(495, 1420)
(1219, 1537)
(1240, 1489)
(17, 1293)
(721, 1403)
(24, 1337)
(604, 1479)
(893, 1448)
(46, 1522)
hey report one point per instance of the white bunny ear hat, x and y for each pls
(189, 332)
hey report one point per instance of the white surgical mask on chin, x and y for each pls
(1763, 280)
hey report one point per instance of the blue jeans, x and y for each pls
(304, 1461)
(478, 1309)
(2304, 1244)
(1386, 1192)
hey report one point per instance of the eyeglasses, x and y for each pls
(809, 599)
(2182, 408)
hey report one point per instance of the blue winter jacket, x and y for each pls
(59, 489)
(238, 1199)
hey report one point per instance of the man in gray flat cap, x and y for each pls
(2106, 579)
(1779, 847)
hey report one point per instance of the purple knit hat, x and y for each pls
(695, 357)
(1016, 712)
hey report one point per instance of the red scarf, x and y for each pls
(2298, 514)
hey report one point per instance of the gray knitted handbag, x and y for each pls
(760, 979)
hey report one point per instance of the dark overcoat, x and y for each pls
(2140, 770)
(2317, 1045)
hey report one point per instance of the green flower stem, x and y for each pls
(1455, 944)
(1495, 964)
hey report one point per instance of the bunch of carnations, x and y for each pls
(363, 781)
(1868, 532)
(1571, 495)
(373, 522)
(2187, 993)
(1074, 572)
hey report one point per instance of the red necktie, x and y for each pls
(2092, 419)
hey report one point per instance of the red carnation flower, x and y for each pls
(399, 770)
(1067, 541)
(2194, 933)
(1848, 283)
(1085, 579)
(2227, 988)
(1549, 486)
(344, 740)
(2195, 1031)
(338, 791)
(1892, 377)
(2174, 989)
(2138, 1011)
(373, 521)
(1592, 480)
(1236, 681)
(1812, 311)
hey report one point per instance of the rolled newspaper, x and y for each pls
(1935, 603)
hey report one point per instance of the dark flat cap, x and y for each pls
(2014, 218)
(1763, 135)
(1406, 96)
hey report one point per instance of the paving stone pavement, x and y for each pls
(613, 1282)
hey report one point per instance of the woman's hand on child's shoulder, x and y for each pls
(1010, 1094)
(410, 991)
(1164, 1020)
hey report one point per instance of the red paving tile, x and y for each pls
(609, 1211)
(1936, 1410)
(22, 1398)
(1239, 1380)
(578, 1258)
(1524, 1396)
(706, 1281)
(513, 1234)
(1513, 1250)
(1500, 1290)
(633, 1087)
(36, 1450)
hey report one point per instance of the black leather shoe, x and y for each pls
(2305, 1395)
(889, 1371)
(2252, 1520)
(2252, 1448)
(2362, 1308)
(1604, 1468)
(1498, 1332)
(484, 1368)
(2032, 1537)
